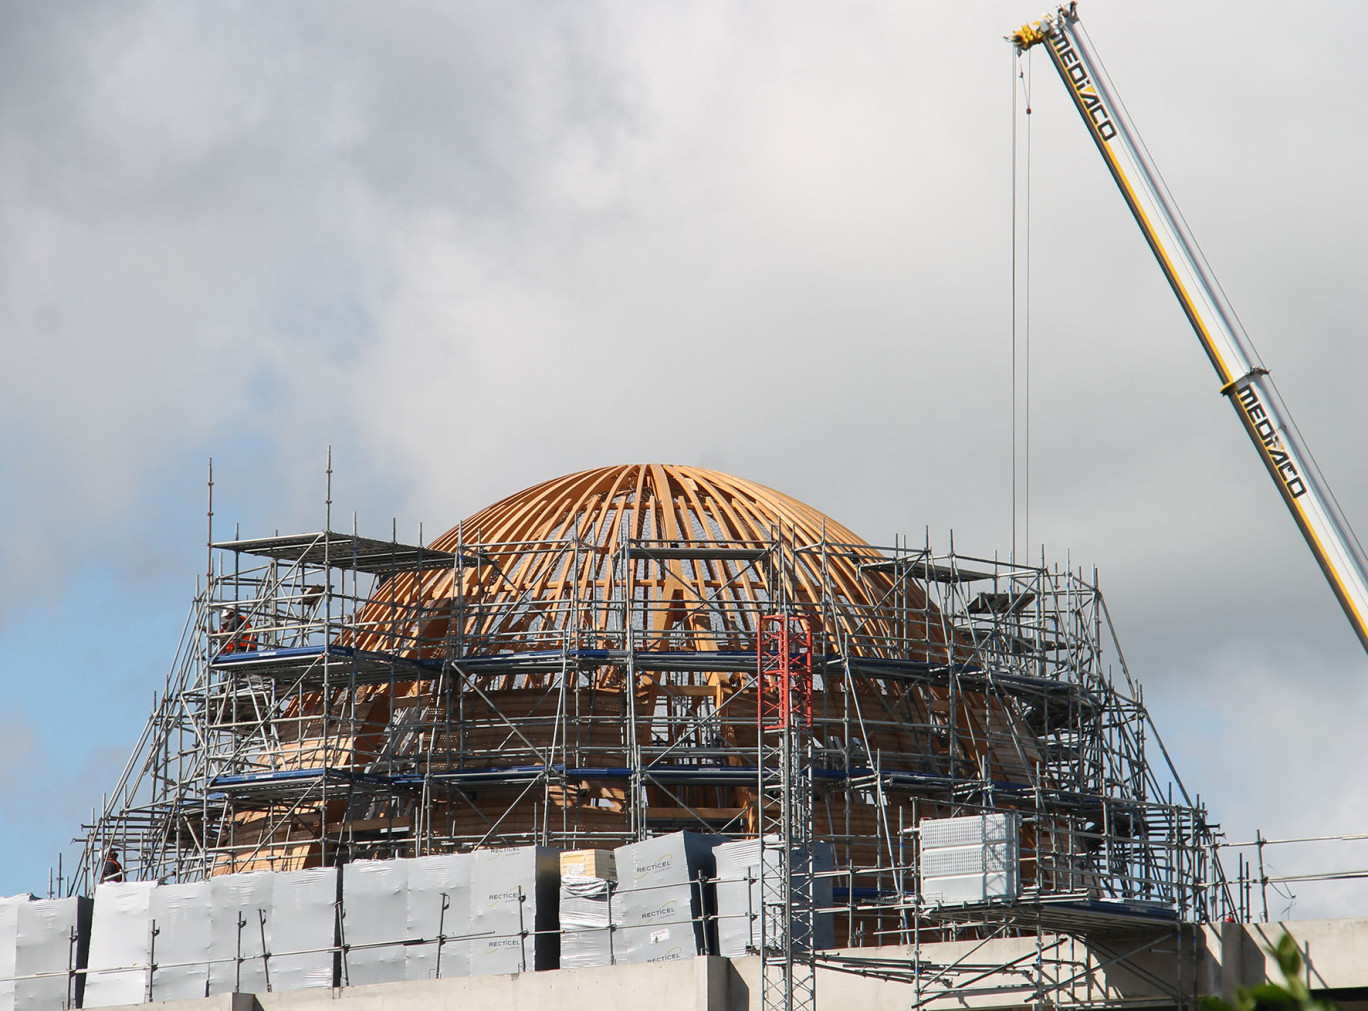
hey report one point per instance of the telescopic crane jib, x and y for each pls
(1243, 377)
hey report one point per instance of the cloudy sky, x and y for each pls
(474, 246)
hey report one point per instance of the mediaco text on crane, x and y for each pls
(1083, 85)
(1264, 428)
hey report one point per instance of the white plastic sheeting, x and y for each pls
(374, 921)
(120, 945)
(663, 900)
(586, 922)
(513, 905)
(439, 908)
(181, 914)
(182, 941)
(970, 859)
(406, 918)
(41, 942)
(301, 929)
(9, 943)
(738, 894)
(238, 903)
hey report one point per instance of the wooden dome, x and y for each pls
(693, 547)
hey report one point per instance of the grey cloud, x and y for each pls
(475, 246)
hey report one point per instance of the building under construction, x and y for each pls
(576, 666)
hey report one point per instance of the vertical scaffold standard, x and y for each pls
(576, 666)
(787, 893)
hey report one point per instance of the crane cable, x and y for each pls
(1021, 296)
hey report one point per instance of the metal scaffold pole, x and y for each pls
(784, 694)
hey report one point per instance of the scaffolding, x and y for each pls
(335, 697)
(788, 907)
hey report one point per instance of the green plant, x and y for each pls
(1294, 995)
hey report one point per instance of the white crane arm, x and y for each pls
(1243, 378)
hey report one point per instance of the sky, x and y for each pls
(472, 246)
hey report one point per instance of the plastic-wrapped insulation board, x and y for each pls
(738, 895)
(301, 929)
(9, 943)
(41, 942)
(120, 944)
(239, 904)
(181, 947)
(664, 899)
(438, 908)
(586, 922)
(406, 918)
(374, 921)
(513, 903)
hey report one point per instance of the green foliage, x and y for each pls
(1293, 995)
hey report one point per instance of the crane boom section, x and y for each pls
(1243, 378)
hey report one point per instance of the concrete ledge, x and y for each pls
(219, 1002)
(698, 984)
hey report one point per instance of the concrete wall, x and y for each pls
(699, 984)
(1335, 953)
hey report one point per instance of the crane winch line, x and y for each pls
(1244, 380)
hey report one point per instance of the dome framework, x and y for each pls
(575, 665)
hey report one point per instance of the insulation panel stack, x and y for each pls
(587, 880)
(738, 895)
(663, 901)
(251, 932)
(42, 943)
(514, 895)
(406, 919)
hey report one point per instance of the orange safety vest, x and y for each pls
(243, 641)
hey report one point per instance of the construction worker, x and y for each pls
(237, 633)
(113, 870)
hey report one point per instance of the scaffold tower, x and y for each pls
(787, 866)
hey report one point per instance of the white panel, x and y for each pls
(181, 949)
(237, 950)
(120, 937)
(375, 908)
(45, 952)
(970, 859)
(438, 904)
(9, 940)
(302, 928)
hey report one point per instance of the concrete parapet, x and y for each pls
(1335, 953)
(699, 984)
